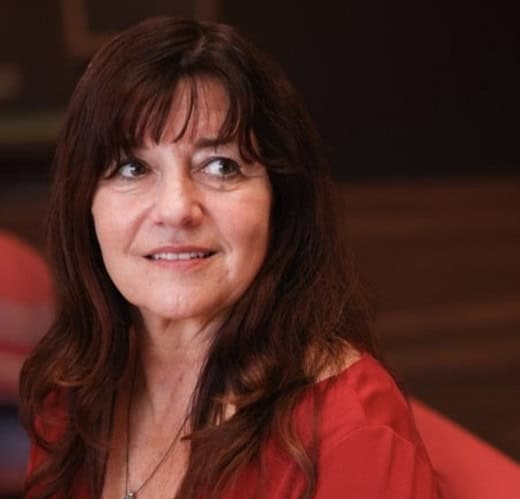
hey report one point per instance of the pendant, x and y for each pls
(130, 495)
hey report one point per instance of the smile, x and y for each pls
(188, 255)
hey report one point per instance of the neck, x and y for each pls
(170, 355)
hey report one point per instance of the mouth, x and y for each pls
(180, 255)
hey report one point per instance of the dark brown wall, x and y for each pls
(397, 88)
(401, 87)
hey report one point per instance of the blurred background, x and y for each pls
(418, 105)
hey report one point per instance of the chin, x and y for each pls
(180, 312)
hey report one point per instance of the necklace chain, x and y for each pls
(132, 494)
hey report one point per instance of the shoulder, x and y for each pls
(363, 395)
(367, 436)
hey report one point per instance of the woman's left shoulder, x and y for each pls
(366, 429)
(362, 395)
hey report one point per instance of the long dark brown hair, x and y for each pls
(290, 324)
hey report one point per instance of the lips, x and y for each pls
(173, 254)
(192, 255)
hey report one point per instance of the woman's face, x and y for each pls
(183, 226)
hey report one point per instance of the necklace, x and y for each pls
(132, 494)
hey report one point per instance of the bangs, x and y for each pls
(144, 110)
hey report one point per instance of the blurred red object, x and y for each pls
(25, 315)
(468, 467)
(25, 278)
(25, 307)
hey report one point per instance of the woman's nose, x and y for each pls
(177, 201)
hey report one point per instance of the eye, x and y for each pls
(131, 169)
(222, 168)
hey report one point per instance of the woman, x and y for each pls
(210, 340)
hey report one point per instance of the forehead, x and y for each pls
(198, 108)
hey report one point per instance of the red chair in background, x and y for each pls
(25, 315)
(468, 468)
(25, 307)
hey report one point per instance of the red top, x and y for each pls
(369, 447)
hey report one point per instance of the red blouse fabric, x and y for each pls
(369, 447)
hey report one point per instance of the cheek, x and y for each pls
(106, 236)
(103, 223)
(255, 235)
(109, 225)
(114, 219)
(250, 231)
